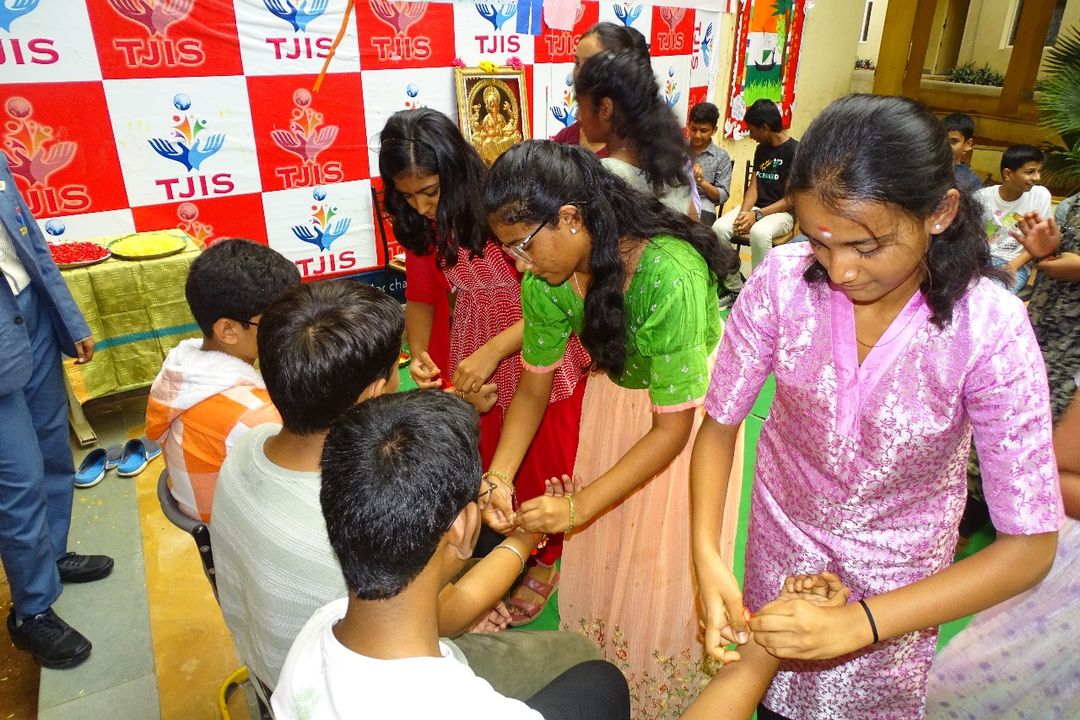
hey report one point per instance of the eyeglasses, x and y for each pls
(517, 250)
(483, 499)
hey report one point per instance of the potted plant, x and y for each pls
(1059, 104)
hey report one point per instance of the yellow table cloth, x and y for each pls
(137, 313)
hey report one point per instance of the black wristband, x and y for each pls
(870, 617)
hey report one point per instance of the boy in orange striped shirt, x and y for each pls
(208, 392)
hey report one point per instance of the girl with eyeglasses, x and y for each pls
(433, 182)
(636, 281)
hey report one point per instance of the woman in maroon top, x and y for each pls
(433, 183)
(600, 37)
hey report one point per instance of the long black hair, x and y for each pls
(616, 37)
(426, 141)
(640, 115)
(892, 150)
(532, 180)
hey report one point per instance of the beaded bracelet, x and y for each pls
(501, 475)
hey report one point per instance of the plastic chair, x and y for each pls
(201, 534)
(196, 528)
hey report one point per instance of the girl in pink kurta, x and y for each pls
(890, 345)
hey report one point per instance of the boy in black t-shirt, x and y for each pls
(765, 212)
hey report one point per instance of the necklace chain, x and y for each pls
(886, 342)
(573, 279)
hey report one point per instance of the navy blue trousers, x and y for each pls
(36, 470)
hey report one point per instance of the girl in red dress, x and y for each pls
(433, 182)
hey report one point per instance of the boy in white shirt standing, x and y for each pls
(1003, 205)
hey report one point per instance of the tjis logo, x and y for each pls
(189, 145)
(306, 138)
(35, 51)
(18, 8)
(671, 39)
(497, 14)
(324, 227)
(298, 15)
(35, 153)
(155, 16)
(566, 111)
(671, 89)
(400, 15)
(628, 12)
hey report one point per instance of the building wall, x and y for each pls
(986, 32)
(869, 50)
(829, 48)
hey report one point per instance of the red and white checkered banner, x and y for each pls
(127, 115)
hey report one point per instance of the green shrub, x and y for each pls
(968, 73)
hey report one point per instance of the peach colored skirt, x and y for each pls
(627, 579)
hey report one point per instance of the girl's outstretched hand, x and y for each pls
(424, 371)
(472, 372)
(722, 605)
(561, 486)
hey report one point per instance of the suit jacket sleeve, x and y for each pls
(35, 256)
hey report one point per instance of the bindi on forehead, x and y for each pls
(826, 234)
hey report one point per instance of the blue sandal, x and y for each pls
(92, 468)
(136, 456)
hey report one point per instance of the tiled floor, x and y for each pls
(160, 646)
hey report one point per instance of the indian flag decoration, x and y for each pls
(766, 59)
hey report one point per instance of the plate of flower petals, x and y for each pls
(68, 255)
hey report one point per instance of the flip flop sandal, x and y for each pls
(532, 610)
(92, 468)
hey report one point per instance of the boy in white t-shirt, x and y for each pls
(1003, 205)
(402, 495)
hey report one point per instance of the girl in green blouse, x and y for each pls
(637, 282)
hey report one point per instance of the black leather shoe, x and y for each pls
(83, 568)
(52, 642)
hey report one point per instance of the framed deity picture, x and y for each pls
(491, 113)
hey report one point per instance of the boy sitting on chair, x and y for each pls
(765, 212)
(208, 392)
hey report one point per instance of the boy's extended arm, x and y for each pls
(737, 688)
(463, 603)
